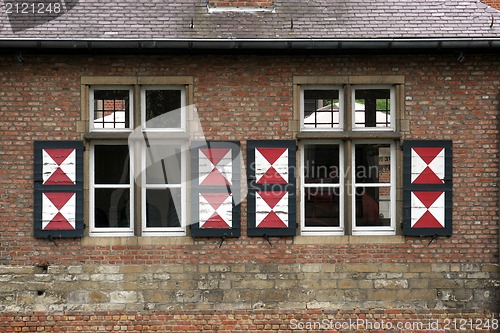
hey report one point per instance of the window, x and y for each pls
(348, 138)
(322, 107)
(110, 108)
(111, 181)
(322, 187)
(137, 183)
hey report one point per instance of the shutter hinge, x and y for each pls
(266, 237)
(222, 240)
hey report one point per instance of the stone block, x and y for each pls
(382, 295)
(273, 295)
(98, 297)
(213, 296)
(440, 267)
(311, 268)
(220, 268)
(78, 297)
(347, 284)
(108, 269)
(124, 269)
(391, 284)
(123, 296)
(188, 296)
(394, 268)
(75, 270)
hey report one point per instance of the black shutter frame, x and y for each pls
(39, 189)
(409, 188)
(234, 190)
(254, 188)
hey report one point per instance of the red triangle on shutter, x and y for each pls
(428, 154)
(215, 221)
(58, 178)
(427, 198)
(215, 155)
(215, 200)
(272, 197)
(272, 221)
(427, 176)
(215, 178)
(59, 199)
(59, 222)
(272, 154)
(272, 177)
(59, 155)
(427, 221)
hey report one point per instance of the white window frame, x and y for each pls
(308, 230)
(94, 231)
(182, 88)
(91, 107)
(341, 107)
(391, 128)
(387, 230)
(164, 231)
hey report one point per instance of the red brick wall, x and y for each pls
(250, 97)
(239, 98)
(253, 321)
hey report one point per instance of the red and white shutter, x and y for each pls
(215, 189)
(271, 188)
(58, 189)
(427, 188)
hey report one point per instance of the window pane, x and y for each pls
(321, 164)
(373, 163)
(111, 109)
(111, 164)
(321, 109)
(372, 108)
(161, 207)
(163, 164)
(373, 206)
(163, 108)
(112, 208)
(322, 207)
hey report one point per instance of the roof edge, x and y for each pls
(221, 44)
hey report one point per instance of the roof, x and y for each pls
(306, 21)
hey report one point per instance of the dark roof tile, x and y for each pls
(161, 19)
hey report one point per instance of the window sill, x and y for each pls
(349, 135)
(137, 241)
(373, 239)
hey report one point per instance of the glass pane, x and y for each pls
(373, 163)
(163, 164)
(163, 108)
(321, 109)
(112, 208)
(111, 109)
(321, 164)
(111, 164)
(372, 108)
(322, 207)
(373, 206)
(161, 208)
